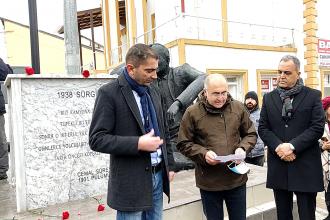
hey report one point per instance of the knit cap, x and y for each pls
(252, 95)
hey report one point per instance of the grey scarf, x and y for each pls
(286, 96)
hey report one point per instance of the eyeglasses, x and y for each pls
(220, 94)
(280, 72)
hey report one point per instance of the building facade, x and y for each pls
(15, 49)
(244, 40)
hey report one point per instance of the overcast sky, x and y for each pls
(50, 13)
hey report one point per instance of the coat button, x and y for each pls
(147, 169)
(286, 126)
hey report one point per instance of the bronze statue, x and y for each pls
(179, 87)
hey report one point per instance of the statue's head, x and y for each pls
(164, 59)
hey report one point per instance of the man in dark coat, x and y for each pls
(291, 122)
(128, 123)
(4, 71)
(179, 87)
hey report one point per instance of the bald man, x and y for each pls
(217, 125)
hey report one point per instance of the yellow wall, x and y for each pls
(51, 49)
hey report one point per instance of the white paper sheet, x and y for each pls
(230, 157)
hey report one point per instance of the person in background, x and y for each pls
(128, 123)
(257, 154)
(218, 125)
(325, 147)
(291, 123)
(5, 69)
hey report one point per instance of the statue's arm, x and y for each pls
(188, 73)
(195, 81)
(192, 91)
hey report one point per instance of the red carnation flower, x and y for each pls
(86, 73)
(100, 208)
(65, 215)
(29, 70)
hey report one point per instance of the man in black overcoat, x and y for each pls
(179, 87)
(291, 122)
(128, 123)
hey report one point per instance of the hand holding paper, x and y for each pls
(210, 158)
(240, 152)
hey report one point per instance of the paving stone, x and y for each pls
(185, 202)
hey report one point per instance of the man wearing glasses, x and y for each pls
(291, 122)
(218, 125)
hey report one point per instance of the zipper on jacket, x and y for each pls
(224, 121)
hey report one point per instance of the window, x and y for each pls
(267, 82)
(325, 82)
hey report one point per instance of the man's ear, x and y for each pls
(129, 68)
(299, 75)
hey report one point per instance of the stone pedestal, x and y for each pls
(49, 118)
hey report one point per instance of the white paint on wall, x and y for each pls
(206, 57)
(3, 50)
(323, 18)
(174, 56)
(165, 12)
(139, 22)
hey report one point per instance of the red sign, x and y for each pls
(274, 81)
(265, 84)
(323, 46)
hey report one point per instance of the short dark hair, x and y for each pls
(139, 53)
(294, 59)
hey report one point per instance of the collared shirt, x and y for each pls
(155, 156)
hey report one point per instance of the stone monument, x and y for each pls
(49, 119)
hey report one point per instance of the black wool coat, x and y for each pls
(115, 129)
(303, 130)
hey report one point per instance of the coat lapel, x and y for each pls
(130, 100)
(298, 98)
(296, 101)
(277, 101)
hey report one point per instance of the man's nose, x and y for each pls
(154, 74)
(282, 74)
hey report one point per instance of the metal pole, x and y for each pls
(71, 35)
(80, 48)
(93, 41)
(34, 39)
